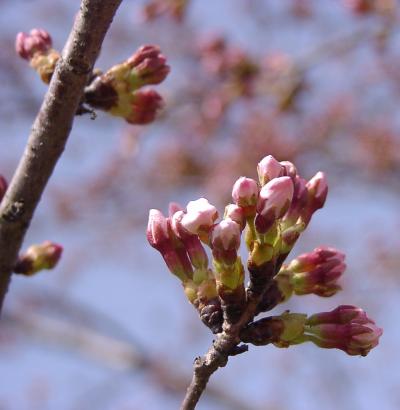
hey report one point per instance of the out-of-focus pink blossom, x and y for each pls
(145, 105)
(37, 41)
(149, 66)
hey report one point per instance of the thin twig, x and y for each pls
(51, 129)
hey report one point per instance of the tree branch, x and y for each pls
(51, 129)
(217, 356)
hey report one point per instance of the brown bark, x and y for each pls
(51, 129)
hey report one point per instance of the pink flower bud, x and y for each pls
(288, 169)
(157, 229)
(317, 272)
(245, 193)
(145, 105)
(3, 187)
(200, 216)
(37, 41)
(225, 241)
(236, 214)
(174, 207)
(268, 168)
(191, 242)
(38, 257)
(273, 202)
(317, 188)
(161, 237)
(148, 66)
(347, 328)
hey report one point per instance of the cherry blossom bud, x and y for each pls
(160, 237)
(347, 328)
(268, 168)
(225, 241)
(236, 214)
(245, 193)
(200, 216)
(38, 257)
(3, 187)
(317, 188)
(273, 202)
(288, 169)
(191, 242)
(37, 41)
(143, 107)
(317, 272)
(148, 66)
(157, 230)
(174, 207)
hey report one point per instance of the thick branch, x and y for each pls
(51, 129)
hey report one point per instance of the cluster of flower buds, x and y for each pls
(119, 90)
(38, 257)
(347, 328)
(36, 47)
(273, 212)
(230, 64)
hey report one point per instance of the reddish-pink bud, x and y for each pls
(144, 107)
(273, 202)
(289, 169)
(347, 328)
(38, 257)
(191, 242)
(200, 216)
(317, 272)
(268, 168)
(317, 188)
(3, 187)
(174, 207)
(157, 229)
(148, 66)
(37, 41)
(245, 192)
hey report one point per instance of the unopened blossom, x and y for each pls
(316, 272)
(245, 193)
(143, 107)
(161, 237)
(225, 241)
(148, 66)
(273, 202)
(38, 257)
(200, 216)
(268, 168)
(288, 169)
(191, 242)
(347, 328)
(317, 188)
(235, 213)
(37, 41)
